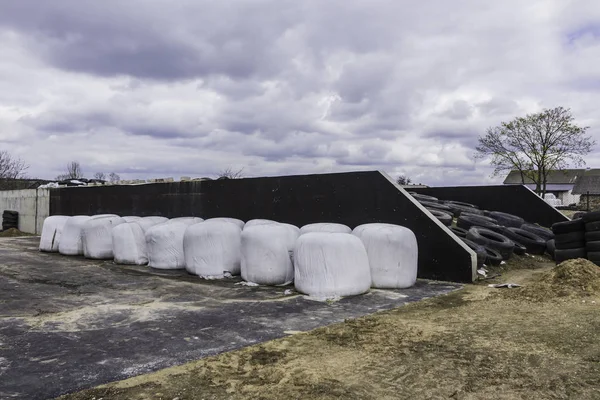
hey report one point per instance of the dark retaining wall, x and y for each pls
(512, 199)
(348, 198)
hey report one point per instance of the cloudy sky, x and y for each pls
(160, 88)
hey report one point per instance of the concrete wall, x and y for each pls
(349, 198)
(33, 206)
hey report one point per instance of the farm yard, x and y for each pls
(474, 343)
(177, 307)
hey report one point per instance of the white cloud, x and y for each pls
(153, 88)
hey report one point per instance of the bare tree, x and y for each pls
(229, 173)
(74, 171)
(403, 180)
(100, 176)
(536, 144)
(11, 167)
(113, 178)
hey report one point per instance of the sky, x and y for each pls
(171, 88)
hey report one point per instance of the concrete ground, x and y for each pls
(67, 323)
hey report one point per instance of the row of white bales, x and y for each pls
(323, 260)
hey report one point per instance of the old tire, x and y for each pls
(551, 248)
(590, 216)
(466, 221)
(460, 232)
(570, 237)
(493, 257)
(592, 226)
(520, 250)
(422, 197)
(568, 226)
(507, 220)
(563, 255)
(544, 233)
(458, 209)
(493, 240)
(442, 216)
(592, 247)
(437, 206)
(479, 250)
(533, 243)
(592, 236)
(594, 257)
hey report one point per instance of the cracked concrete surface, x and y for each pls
(67, 323)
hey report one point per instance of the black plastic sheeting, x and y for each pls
(349, 198)
(512, 199)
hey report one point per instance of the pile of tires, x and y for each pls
(569, 239)
(10, 219)
(592, 235)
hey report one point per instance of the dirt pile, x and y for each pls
(572, 278)
(13, 232)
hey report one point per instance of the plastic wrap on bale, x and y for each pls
(131, 218)
(97, 237)
(392, 252)
(235, 221)
(164, 243)
(331, 265)
(52, 232)
(256, 222)
(129, 244)
(327, 227)
(186, 220)
(148, 222)
(213, 248)
(266, 251)
(71, 240)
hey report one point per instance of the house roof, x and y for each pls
(562, 177)
(587, 184)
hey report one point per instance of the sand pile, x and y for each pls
(13, 232)
(571, 278)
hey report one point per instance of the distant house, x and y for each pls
(588, 187)
(560, 183)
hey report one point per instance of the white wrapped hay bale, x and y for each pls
(97, 216)
(51, 233)
(393, 254)
(213, 248)
(266, 251)
(148, 222)
(327, 227)
(255, 222)
(97, 237)
(131, 218)
(71, 240)
(236, 221)
(164, 244)
(129, 244)
(186, 220)
(330, 265)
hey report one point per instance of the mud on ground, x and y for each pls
(477, 343)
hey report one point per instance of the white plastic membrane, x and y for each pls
(164, 244)
(97, 237)
(213, 248)
(51, 233)
(329, 227)
(330, 265)
(186, 220)
(236, 221)
(71, 240)
(131, 219)
(148, 222)
(129, 244)
(255, 222)
(97, 216)
(392, 252)
(266, 254)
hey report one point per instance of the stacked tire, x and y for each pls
(10, 219)
(493, 242)
(570, 239)
(592, 236)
